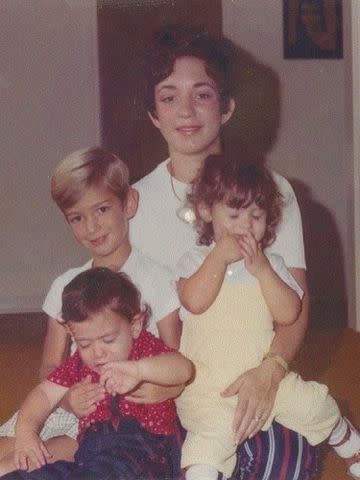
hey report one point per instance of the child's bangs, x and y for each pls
(71, 195)
(240, 197)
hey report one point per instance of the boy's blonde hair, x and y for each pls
(87, 168)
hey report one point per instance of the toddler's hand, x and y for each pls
(255, 260)
(30, 450)
(81, 399)
(120, 377)
(228, 248)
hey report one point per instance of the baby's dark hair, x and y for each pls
(175, 41)
(231, 179)
(97, 289)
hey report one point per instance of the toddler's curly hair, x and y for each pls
(238, 183)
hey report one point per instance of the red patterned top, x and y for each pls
(158, 418)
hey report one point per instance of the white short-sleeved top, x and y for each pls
(159, 233)
(190, 262)
(153, 281)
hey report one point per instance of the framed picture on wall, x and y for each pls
(312, 29)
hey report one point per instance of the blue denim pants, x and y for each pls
(128, 453)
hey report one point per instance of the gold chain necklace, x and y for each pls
(184, 212)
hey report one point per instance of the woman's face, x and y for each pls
(188, 109)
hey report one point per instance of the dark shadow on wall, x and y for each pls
(325, 262)
(256, 90)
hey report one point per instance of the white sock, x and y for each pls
(339, 432)
(351, 445)
(201, 472)
(355, 469)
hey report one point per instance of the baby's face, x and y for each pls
(237, 221)
(104, 337)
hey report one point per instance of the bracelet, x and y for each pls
(278, 359)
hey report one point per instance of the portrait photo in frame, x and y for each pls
(312, 29)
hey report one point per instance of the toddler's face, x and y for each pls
(237, 221)
(105, 337)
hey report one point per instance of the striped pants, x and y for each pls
(277, 454)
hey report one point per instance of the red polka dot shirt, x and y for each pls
(158, 418)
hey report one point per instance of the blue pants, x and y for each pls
(129, 453)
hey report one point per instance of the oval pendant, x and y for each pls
(186, 214)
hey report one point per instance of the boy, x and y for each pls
(91, 188)
(188, 99)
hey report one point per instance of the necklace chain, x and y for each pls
(171, 171)
(184, 212)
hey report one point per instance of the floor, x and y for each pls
(330, 356)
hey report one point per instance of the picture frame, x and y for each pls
(312, 29)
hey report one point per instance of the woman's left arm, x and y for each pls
(257, 388)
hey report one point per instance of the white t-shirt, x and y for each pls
(236, 272)
(159, 233)
(152, 280)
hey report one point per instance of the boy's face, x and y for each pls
(100, 222)
(235, 221)
(105, 337)
(188, 109)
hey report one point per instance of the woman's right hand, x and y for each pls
(81, 399)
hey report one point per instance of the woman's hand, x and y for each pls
(29, 451)
(150, 393)
(81, 399)
(256, 390)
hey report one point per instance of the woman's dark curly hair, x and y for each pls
(174, 41)
(227, 179)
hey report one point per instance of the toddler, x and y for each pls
(232, 295)
(102, 311)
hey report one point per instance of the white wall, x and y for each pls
(315, 134)
(49, 106)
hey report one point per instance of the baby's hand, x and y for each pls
(120, 377)
(255, 260)
(228, 248)
(82, 397)
(29, 450)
